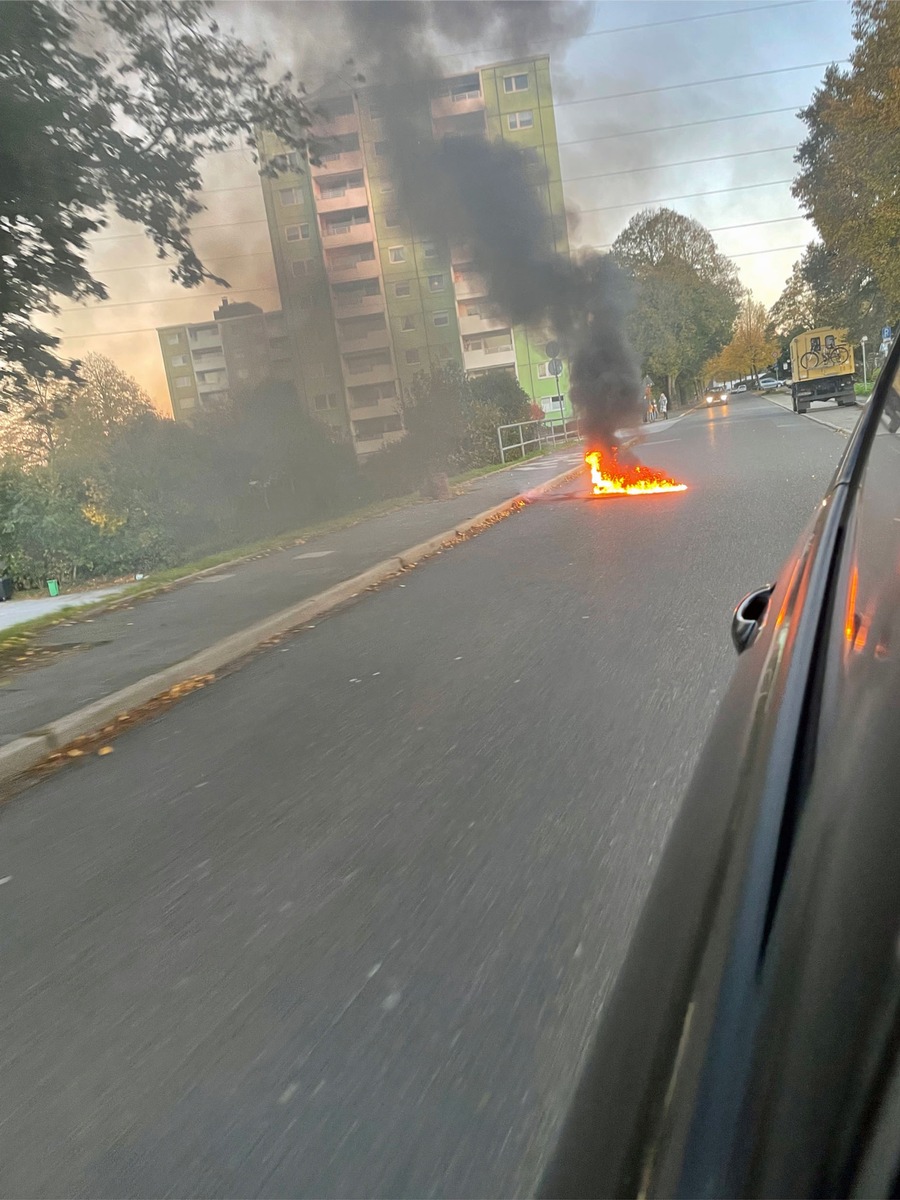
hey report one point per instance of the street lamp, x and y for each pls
(862, 342)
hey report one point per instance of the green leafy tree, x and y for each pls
(824, 289)
(655, 238)
(122, 130)
(848, 162)
(686, 295)
(502, 391)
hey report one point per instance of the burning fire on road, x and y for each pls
(613, 478)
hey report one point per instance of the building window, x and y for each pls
(544, 370)
(380, 148)
(300, 268)
(435, 283)
(292, 160)
(407, 324)
(440, 318)
(445, 353)
(325, 401)
(180, 360)
(183, 382)
(172, 339)
(397, 254)
(515, 83)
(402, 289)
(391, 220)
(296, 233)
(429, 250)
(521, 120)
(412, 356)
(290, 196)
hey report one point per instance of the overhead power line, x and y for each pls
(102, 306)
(674, 87)
(163, 262)
(117, 237)
(608, 137)
(592, 33)
(687, 162)
(686, 196)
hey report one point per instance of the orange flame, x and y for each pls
(636, 480)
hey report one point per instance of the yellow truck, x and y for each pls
(822, 368)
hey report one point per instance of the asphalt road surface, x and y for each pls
(342, 923)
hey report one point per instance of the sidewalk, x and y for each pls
(824, 412)
(14, 612)
(90, 659)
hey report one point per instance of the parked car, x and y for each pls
(768, 383)
(738, 387)
(750, 1045)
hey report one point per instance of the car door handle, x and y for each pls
(748, 617)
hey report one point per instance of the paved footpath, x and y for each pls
(825, 412)
(14, 612)
(91, 658)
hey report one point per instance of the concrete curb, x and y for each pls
(21, 755)
(818, 416)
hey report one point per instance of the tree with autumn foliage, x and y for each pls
(848, 182)
(752, 347)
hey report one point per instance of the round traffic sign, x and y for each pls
(552, 349)
(555, 367)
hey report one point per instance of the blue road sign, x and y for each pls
(886, 333)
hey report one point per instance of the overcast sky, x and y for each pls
(611, 169)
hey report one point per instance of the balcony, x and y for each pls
(337, 126)
(451, 106)
(359, 305)
(469, 285)
(205, 341)
(208, 386)
(351, 341)
(349, 160)
(205, 361)
(375, 408)
(480, 360)
(482, 324)
(378, 373)
(351, 197)
(369, 268)
(348, 234)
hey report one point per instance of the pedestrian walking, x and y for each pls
(664, 406)
(654, 412)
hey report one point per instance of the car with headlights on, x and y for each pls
(717, 397)
(751, 1044)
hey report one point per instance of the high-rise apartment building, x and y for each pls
(217, 361)
(368, 303)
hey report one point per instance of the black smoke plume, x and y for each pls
(484, 194)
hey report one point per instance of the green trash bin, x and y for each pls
(53, 587)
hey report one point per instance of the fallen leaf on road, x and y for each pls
(105, 750)
(74, 753)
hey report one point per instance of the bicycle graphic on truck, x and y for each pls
(833, 355)
(822, 367)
